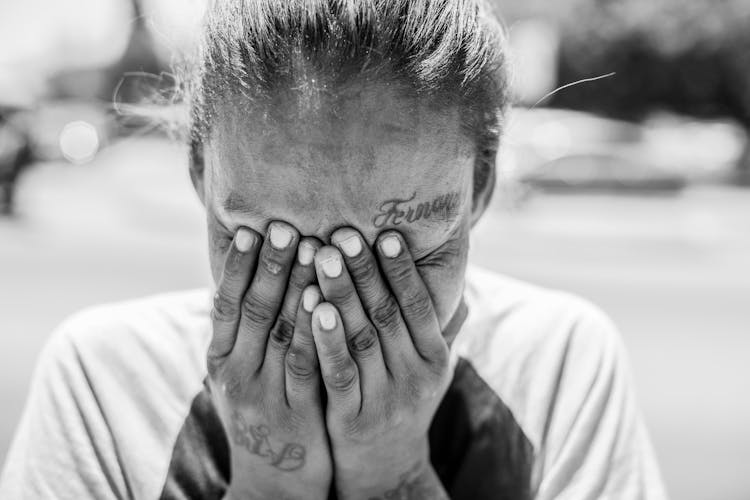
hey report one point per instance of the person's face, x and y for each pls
(366, 159)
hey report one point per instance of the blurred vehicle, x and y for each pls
(602, 173)
(571, 150)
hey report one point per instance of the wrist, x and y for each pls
(277, 485)
(276, 492)
(389, 474)
(419, 483)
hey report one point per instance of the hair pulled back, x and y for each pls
(449, 52)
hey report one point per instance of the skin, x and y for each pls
(368, 165)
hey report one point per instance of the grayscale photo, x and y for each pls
(375, 249)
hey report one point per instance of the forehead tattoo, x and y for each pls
(397, 211)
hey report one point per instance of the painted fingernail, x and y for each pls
(280, 237)
(305, 253)
(310, 299)
(332, 266)
(243, 240)
(327, 319)
(390, 246)
(351, 246)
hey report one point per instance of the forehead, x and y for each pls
(321, 162)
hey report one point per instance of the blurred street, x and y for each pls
(673, 272)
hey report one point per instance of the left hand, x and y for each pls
(385, 365)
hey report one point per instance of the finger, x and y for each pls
(361, 336)
(302, 275)
(239, 267)
(302, 369)
(411, 293)
(373, 291)
(340, 372)
(262, 300)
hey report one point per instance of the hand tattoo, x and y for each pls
(410, 487)
(396, 211)
(255, 439)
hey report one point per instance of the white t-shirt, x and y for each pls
(541, 405)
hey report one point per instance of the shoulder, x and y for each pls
(167, 325)
(534, 346)
(143, 356)
(557, 361)
(529, 325)
(110, 393)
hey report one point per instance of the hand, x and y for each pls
(384, 364)
(263, 369)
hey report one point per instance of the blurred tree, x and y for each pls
(691, 57)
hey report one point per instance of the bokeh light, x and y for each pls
(79, 142)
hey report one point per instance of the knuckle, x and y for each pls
(299, 365)
(297, 284)
(417, 305)
(214, 363)
(232, 387)
(224, 308)
(257, 312)
(364, 340)
(415, 388)
(301, 277)
(226, 379)
(282, 332)
(364, 267)
(401, 270)
(385, 312)
(340, 295)
(343, 376)
(440, 358)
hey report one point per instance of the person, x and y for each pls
(342, 150)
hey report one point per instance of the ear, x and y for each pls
(197, 169)
(484, 181)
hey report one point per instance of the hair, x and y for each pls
(449, 52)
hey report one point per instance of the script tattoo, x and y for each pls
(396, 211)
(410, 487)
(255, 439)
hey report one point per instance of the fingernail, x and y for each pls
(280, 237)
(390, 246)
(243, 240)
(327, 319)
(351, 246)
(310, 299)
(305, 253)
(332, 266)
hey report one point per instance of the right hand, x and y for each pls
(263, 368)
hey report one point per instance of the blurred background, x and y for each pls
(632, 189)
